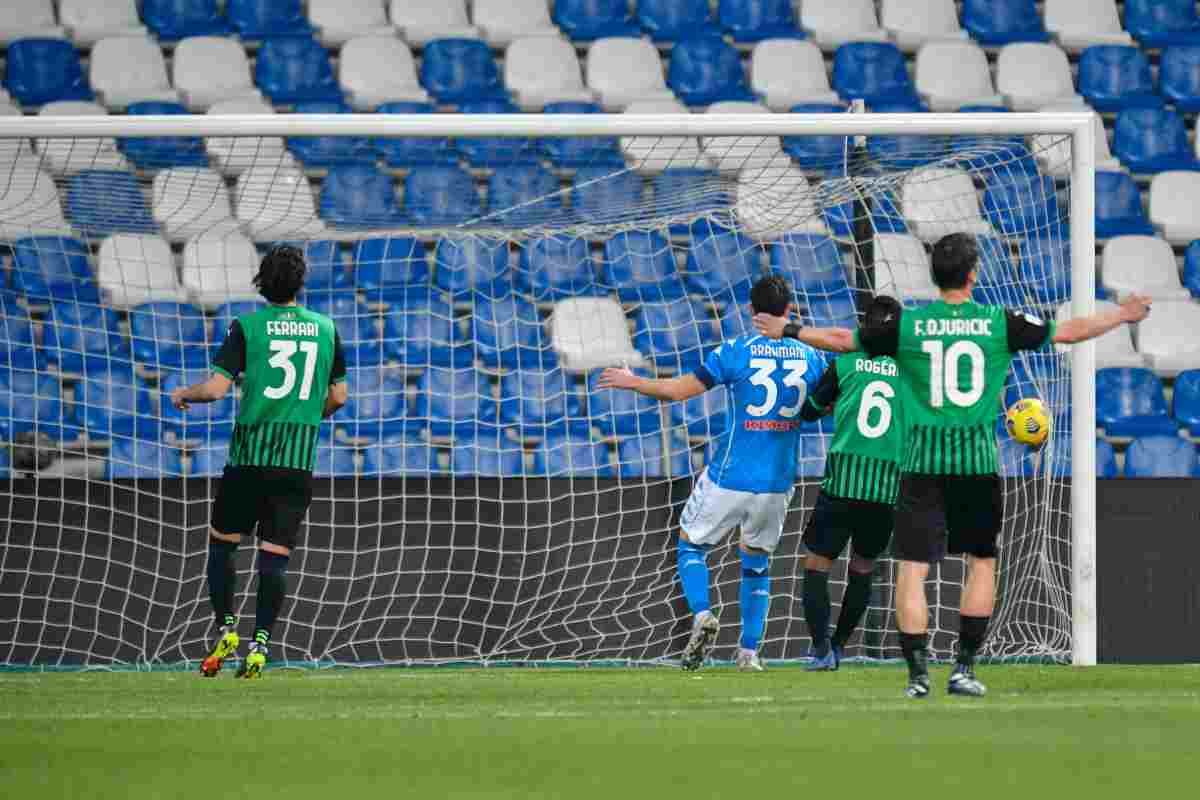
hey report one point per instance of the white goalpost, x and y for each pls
(480, 501)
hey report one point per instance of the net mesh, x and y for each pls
(478, 499)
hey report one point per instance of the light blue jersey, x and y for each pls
(768, 381)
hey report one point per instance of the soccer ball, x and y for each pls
(1027, 422)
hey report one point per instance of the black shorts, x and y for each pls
(955, 514)
(274, 500)
(834, 521)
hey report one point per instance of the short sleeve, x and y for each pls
(337, 372)
(715, 369)
(1027, 332)
(230, 360)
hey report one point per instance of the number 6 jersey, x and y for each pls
(289, 356)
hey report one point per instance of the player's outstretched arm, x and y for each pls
(216, 387)
(838, 340)
(684, 387)
(337, 396)
(1135, 308)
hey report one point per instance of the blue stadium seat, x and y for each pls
(643, 457)
(355, 323)
(822, 153)
(295, 70)
(209, 459)
(1152, 140)
(17, 345)
(461, 70)
(203, 421)
(616, 412)
(997, 282)
(224, 316)
(494, 151)
(1046, 268)
(811, 262)
(1106, 460)
(904, 152)
(169, 336)
(523, 194)
(556, 267)
(335, 462)
(103, 202)
(706, 70)
(681, 191)
(672, 20)
(39, 71)
(325, 272)
(1114, 77)
(31, 401)
(360, 196)
(389, 269)
(1179, 76)
(991, 153)
(162, 152)
(53, 267)
(266, 19)
(674, 334)
(1015, 459)
(139, 458)
(835, 310)
(414, 151)
(1161, 457)
(1021, 205)
(640, 265)
(454, 401)
(721, 264)
(171, 20)
(375, 407)
(473, 264)
(997, 22)
(567, 456)
(401, 455)
(534, 400)
(704, 415)
(1185, 403)
(1191, 269)
(83, 338)
(1162, 23)
(1131, 402)
(609, 193)
(874, 72)
(323, 152)
(488, 457)
(585, 20)
(420, 329)
(1119, 209)
(756, 20)
(507, 332)
(440, 195)
(813, 449)
(580, 151)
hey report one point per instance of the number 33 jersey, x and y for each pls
(768, 382)
(289, 357)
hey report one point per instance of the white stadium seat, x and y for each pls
(29, 202)
(621, 70)
(502, 21)
(339, 21)
(14, 150)
(1078, 26)
(1175, 205)
(28, 19)
(1053, 153)
(422, 21)
(1168, 337)
(787, 72)
(220, 268)
(275, 203)
(237, 154)
(544, 69)
(1113, 349)
(834, 22)
(138, 268)
(950, 75)
(737, 153)
(89, 21)
(72, 155)
(652, 154)
(902, 267)
(912, 23)
(771, 202)
(189, 201)
(938, 201)
(373, 70)
(209, 69)
(591, 332)
(125, 70)
(1141, 264)
(1031, 75)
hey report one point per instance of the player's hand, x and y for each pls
(178, 401)
(617, 378)
(1135, 308)
(769, 325)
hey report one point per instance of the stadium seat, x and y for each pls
(654, 154)
(171, 20)
(939, 201)
(169, 336)
(703, 416)
(1161, 457)
(326, 271)
(276, 202)
(1031, 75)
(833, 23)
(580, 151)
(505, 21)
(902, 267)
(1017, 204)
(811, 263)
(461, 70)
(17, 338)
(1001, 22)
(1179, 77)
(328, 152)
(267, 19)
(1113, 78)
(52, 267)
(293, 70)
(1131, 402)
(534, 401)
(1106, 460)
(1113, 349)
(721, 264)
(872, 71)
(953, 74)
(771, 203)
(472, 264)
(355, 323)
(997, 281)
(335, 462)
(89, 21)
(673, 20)
(487, 457)
(523, 194)
(1191, 269)
(202, 422)
(220, 267)
(1142, 265)
(114, 403)
(588, 20)
(1168, 337)
(483, 152)
(373, 70)
(102, 202)
(591, 332)
(674, 333)
(32, 401)
(142, 459)
(414, 151)
(235, 155)
(1175, 205)
(64, 156)
(644, 456)
(567, 456)
(423, 21)
(29, 203)
(41, 71)
(1185, 401)
(454, 401)
(28, 19)
(209, 69)
(17, 150)
(359, 196)
(340, 21)
(733, 154)
(401, 455)
(162, 152)
(811, 461)
(1119, 209)
(507, 332)
(620, 70)
(1015, 460)
(757, 20)
(902, 151)
(137, 268)
(389, 269)
(640, 265)
(375, 408)
(1045, 267)
(1162, 23)
(440, 195)
(688, 192)
(189, 201)
(912, 24)
(208, 460)
(225, 314)
(544, 69)
(124, 70)
(706, 70)
(554, 267)
(607, 194)
(1077, 26)
(789, 72)
(420, 329)
(817, 153)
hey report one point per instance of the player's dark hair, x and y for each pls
(281, 274)
(771, 295)
(879, 319)
(954, 256)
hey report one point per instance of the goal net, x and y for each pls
(479, 500)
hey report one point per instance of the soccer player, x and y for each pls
(954, 356)
(748, 483)
(293, 375)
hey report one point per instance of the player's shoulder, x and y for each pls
(324, 321)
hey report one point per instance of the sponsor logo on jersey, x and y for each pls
(775, 425)
(953, 327)
(875, 367)
(281, 327)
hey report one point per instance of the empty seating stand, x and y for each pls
(88, 21)
(1162, 23)
(588, 20)
(340, 21)
(757, 20)
(833, 23)
(543, 69)
(267, 19)
(912, 23)
(1077, 26)
(1001, 22)
(457, 71)
(422, 21)
(789, 72)
(39, 71)
(124, 70)
(294, 70)
(706, 70)
(375, 70)
(172, 20)
(210, 69)
(672, 20)
(1115, 77)
(28, 19)
(504, 21)
(623, 70)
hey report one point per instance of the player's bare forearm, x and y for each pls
(1134, 309)
(839, 340)
(338, 394)
(216, 387)
(669, 389)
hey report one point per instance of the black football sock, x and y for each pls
(222, 580)
(816, 609)
(971, 633)
(914, 646)
(272, 589)
(854, 605)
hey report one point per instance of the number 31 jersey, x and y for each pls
(289, 356)
(768, 382)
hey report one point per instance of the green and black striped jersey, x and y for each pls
(289, 357)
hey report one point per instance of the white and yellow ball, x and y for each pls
(1028, 422)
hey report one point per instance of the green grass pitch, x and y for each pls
(616, 734)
